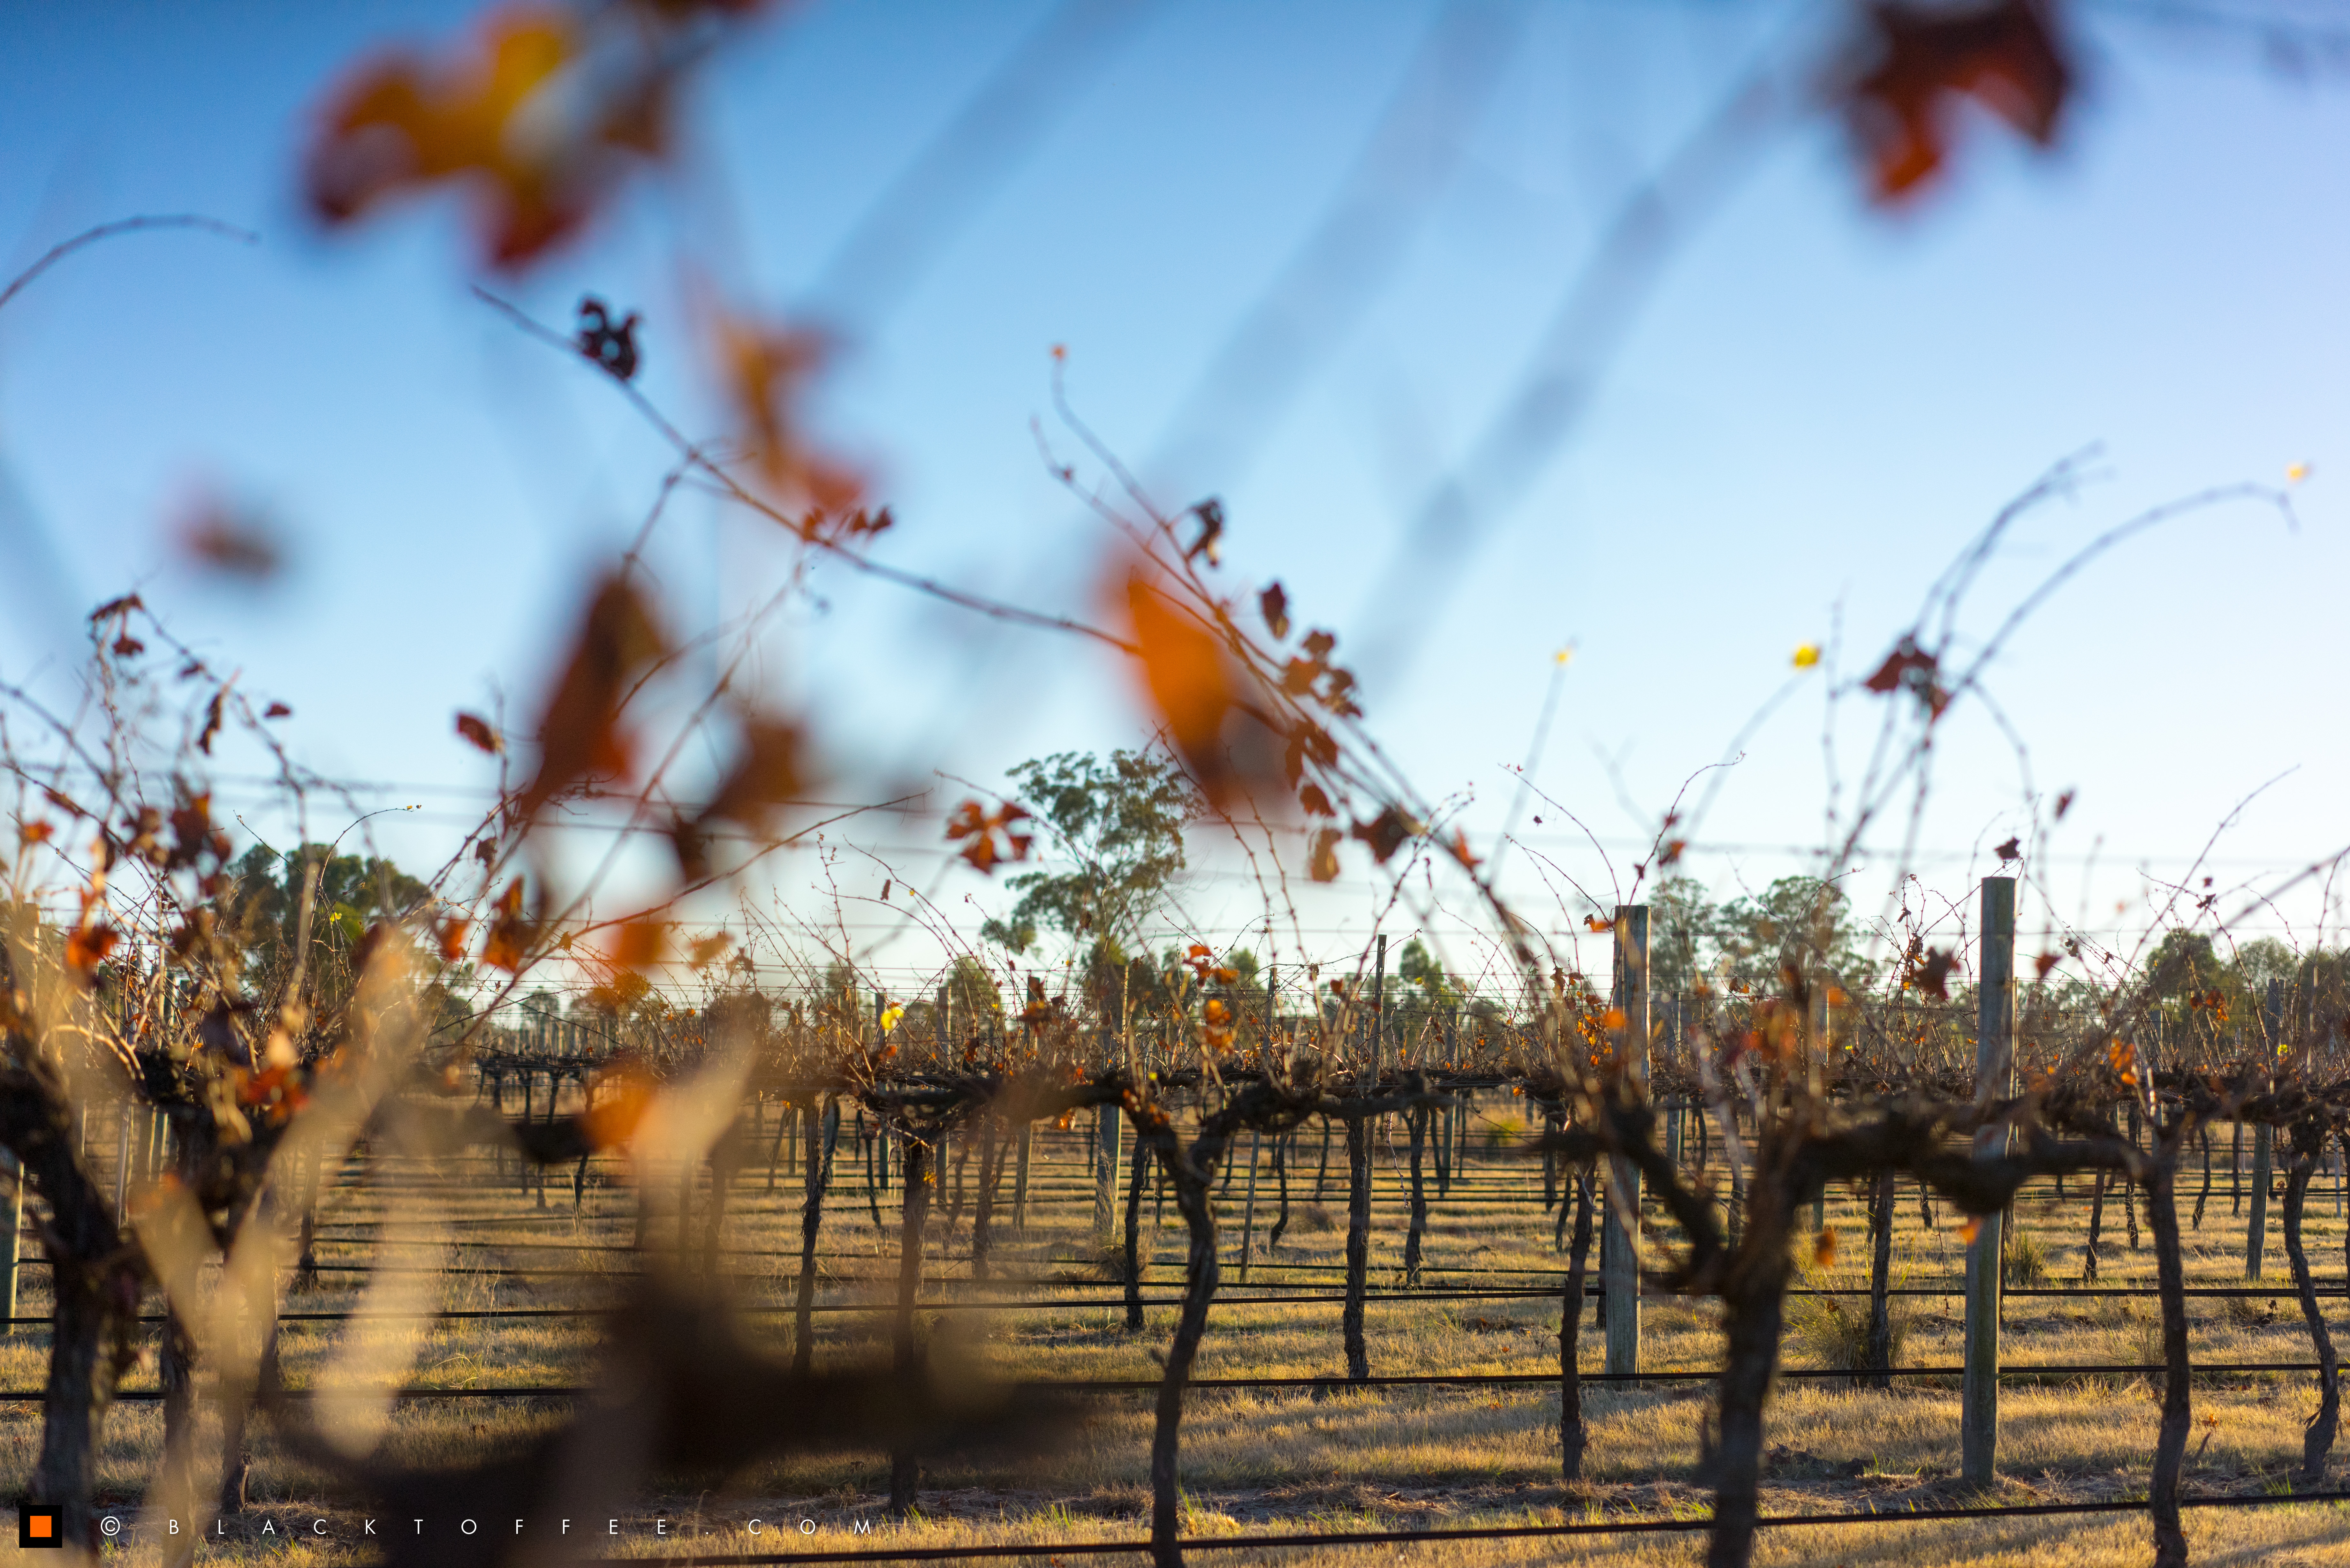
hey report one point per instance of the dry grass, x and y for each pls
(1289, 1460)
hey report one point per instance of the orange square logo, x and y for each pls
(40, 1525)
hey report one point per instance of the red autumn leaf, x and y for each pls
(1315, 802)
(1308, 743)
(2010, 850)
(579, 738)
(2004, 55)
(128, 647)
(452, 937)
(1274, 603)
(2044, 963)
(1385, 833)
(212, 729)
(229, 541)
(982, 827)
(122, 607)
(1929, 971)
(476, 729)
(278, 711)
(1911, 669)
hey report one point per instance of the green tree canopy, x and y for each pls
(1119, 826)
(1799, 923)
(264, 906)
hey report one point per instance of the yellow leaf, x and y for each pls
(1807, 655)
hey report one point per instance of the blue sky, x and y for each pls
(1815, 405)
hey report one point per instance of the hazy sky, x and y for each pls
(1814, 406)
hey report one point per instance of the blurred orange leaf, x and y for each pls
(1322, 864)
(579, 736)
(767, 773)
(618, 1099)
(1183, 671)
(765, 372)
(639, 944)
(508, 944)
(1824, 1247)
(87, 945)
(539, 118)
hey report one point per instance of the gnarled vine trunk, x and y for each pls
(1880, 1274)
(818, 1173)
(1134, 1236)
(1359, 1245)
(1571, 1433)
(2170, 1435)
(2308, 1144)
(905, 1467)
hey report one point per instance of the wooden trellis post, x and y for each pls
(15, 1224)
(1995, 1079)
(1106, 1131)
(1620, 1257)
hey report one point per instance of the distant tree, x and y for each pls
(348, 893)
(1799, 924)
(1120, 823)
(1682, 928)
(1416, 965)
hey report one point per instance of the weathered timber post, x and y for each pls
(1619, 1257)
(1821, 1039)
(1995, 1079)
(1248, 1209)
(16, 1226)
(2256, 1227)
(1378, 1011)
(1106, 1122)
(1020, 1179)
